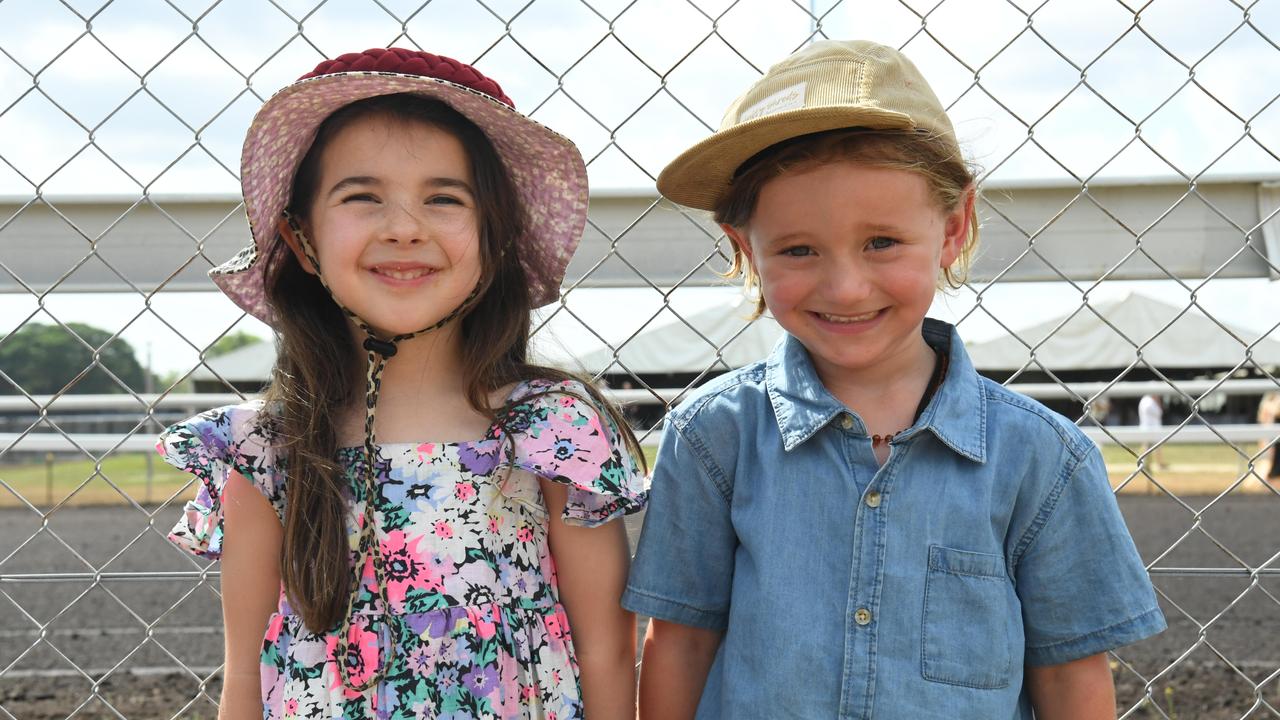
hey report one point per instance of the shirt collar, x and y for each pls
(957, 414)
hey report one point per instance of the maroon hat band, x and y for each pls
(413, 62)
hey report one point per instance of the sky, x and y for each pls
(157, 96)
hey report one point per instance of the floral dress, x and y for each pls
(478, 627)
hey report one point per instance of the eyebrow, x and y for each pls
(804, 235)
(364, 180)
(881, 227)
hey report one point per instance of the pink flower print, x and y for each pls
(361, 658)
(291, 706)
(485, 627)
(524, 534)
(567, 401)
(432, 583)
(464, 491)
(443, 529)
(402, 565)
(425, 450)
(575, 451)
(528, 691)
(555, 627)
(493, 524)
(597, 430)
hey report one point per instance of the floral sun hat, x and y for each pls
(545, 167)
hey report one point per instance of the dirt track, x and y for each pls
(95, 632)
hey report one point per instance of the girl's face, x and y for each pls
(848, 257)
(394, 223)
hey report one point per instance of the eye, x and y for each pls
(360, 197)
(443, 200)
(797, 251)
(881, 243)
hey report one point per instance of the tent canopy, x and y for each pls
(708, 328)
(1116, 333)
(1106, 334)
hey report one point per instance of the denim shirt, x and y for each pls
(989, 540)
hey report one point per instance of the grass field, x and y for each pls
(45, 484)
(1195, 469)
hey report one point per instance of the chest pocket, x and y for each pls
(967, 619)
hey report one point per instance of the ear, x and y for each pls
(956, 229)
(740, 240)
(290, 239)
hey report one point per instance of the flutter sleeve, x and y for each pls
(209, 446)
(560, 434)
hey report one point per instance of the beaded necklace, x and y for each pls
(940, 362)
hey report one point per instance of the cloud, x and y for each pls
(561, 62)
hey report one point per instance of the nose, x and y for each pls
(403, 226)
(846, 281)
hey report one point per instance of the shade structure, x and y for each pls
(717, 338)
(714, 332)
(1119, 332)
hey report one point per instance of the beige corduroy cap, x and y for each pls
(827, 85)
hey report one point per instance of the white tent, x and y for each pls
(1112, 334)
(1107, 334)
(700, 328)
(248, 364)
(720, 337)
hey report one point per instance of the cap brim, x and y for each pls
(701, 175)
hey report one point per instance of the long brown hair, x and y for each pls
(318, 362)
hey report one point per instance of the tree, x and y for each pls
(231, 341)
(45, 359)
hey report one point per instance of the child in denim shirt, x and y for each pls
(861, 526)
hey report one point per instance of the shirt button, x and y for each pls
(846, 421)
(873, 499)
(862, 616)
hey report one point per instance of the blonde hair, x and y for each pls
(934, 157)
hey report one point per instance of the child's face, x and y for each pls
(394, 223)
(848, 257)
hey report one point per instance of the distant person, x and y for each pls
(1268, 415)
(444, 515)
(861, 525)
(1151, 417)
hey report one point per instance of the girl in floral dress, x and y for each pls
(414, 521)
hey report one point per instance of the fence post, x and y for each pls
(48, 479)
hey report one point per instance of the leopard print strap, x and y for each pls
(380, 350)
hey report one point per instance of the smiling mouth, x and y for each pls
(403, 273)
(847, 319)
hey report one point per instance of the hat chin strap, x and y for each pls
(380, 350)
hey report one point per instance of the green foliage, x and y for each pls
(231, 341)
(45, 359)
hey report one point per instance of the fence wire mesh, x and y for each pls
(120, 125)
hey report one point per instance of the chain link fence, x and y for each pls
(1130, 153)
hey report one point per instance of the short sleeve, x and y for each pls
(1082, 584)
(561, 435)
(209, 446)
(683, 568)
